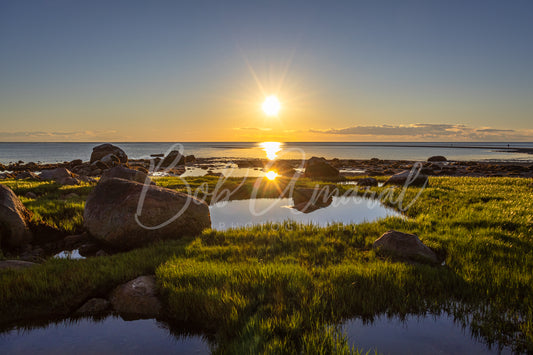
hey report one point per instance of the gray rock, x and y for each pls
(173, 159)
(15, 264)
(31, 195)
(94, 306)
(110, 159)
(122, 172)
(437, 158)
(111, 208)
(102, 150)
(62, 176)
(404, 245)
(27, 175)
(14, 220)
(367, 182)
(407, 178)
(137, 298)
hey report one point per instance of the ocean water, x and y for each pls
(59, 152)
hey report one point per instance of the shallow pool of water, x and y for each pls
(415, 335)
(346, 210)
(109, 336)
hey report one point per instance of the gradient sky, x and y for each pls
(199, 70)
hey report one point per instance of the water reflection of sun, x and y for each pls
(271, 175)
(271, 149)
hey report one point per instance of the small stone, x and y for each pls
(137, 298)
(94, 306)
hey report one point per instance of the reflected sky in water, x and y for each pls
(345, 210)
(110, 336)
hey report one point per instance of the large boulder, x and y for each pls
(110, 214)
(137, 298)
(407, 178)
(122, 172)
(317, 168)
(308, 200)
(14, 220)
(404, 245)
(102, 150)
(62, 176)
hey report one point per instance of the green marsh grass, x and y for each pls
(283, 288)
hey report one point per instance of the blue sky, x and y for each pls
(199, 70)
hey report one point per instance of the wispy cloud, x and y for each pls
(429, 131)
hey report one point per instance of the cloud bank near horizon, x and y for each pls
(429, 131)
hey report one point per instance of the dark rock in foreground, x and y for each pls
(14, 220)
(103, 150)
(137, 298)
(111, 208)
(404, 245)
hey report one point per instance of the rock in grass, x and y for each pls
(111, 208)
(367, 182)
(15, 264)
(62, 176)
(102, 150)
(318, 168)
(404, 245)
(137, 298)
(122, 172)
(94, 306)
(31, 195)
(437, 158)
(27, 175)
(407, 178)
(14, 220)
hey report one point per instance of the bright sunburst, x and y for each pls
(271, 106)
(271, 175)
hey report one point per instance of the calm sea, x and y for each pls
(59, 152)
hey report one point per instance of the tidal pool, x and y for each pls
(109, 336)
(346, 210)
(415, 335)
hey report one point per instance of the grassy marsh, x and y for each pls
(285, 286)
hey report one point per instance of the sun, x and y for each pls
(271, 106)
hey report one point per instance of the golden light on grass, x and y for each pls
(271, 149)
(271, 106)
(271, 175)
